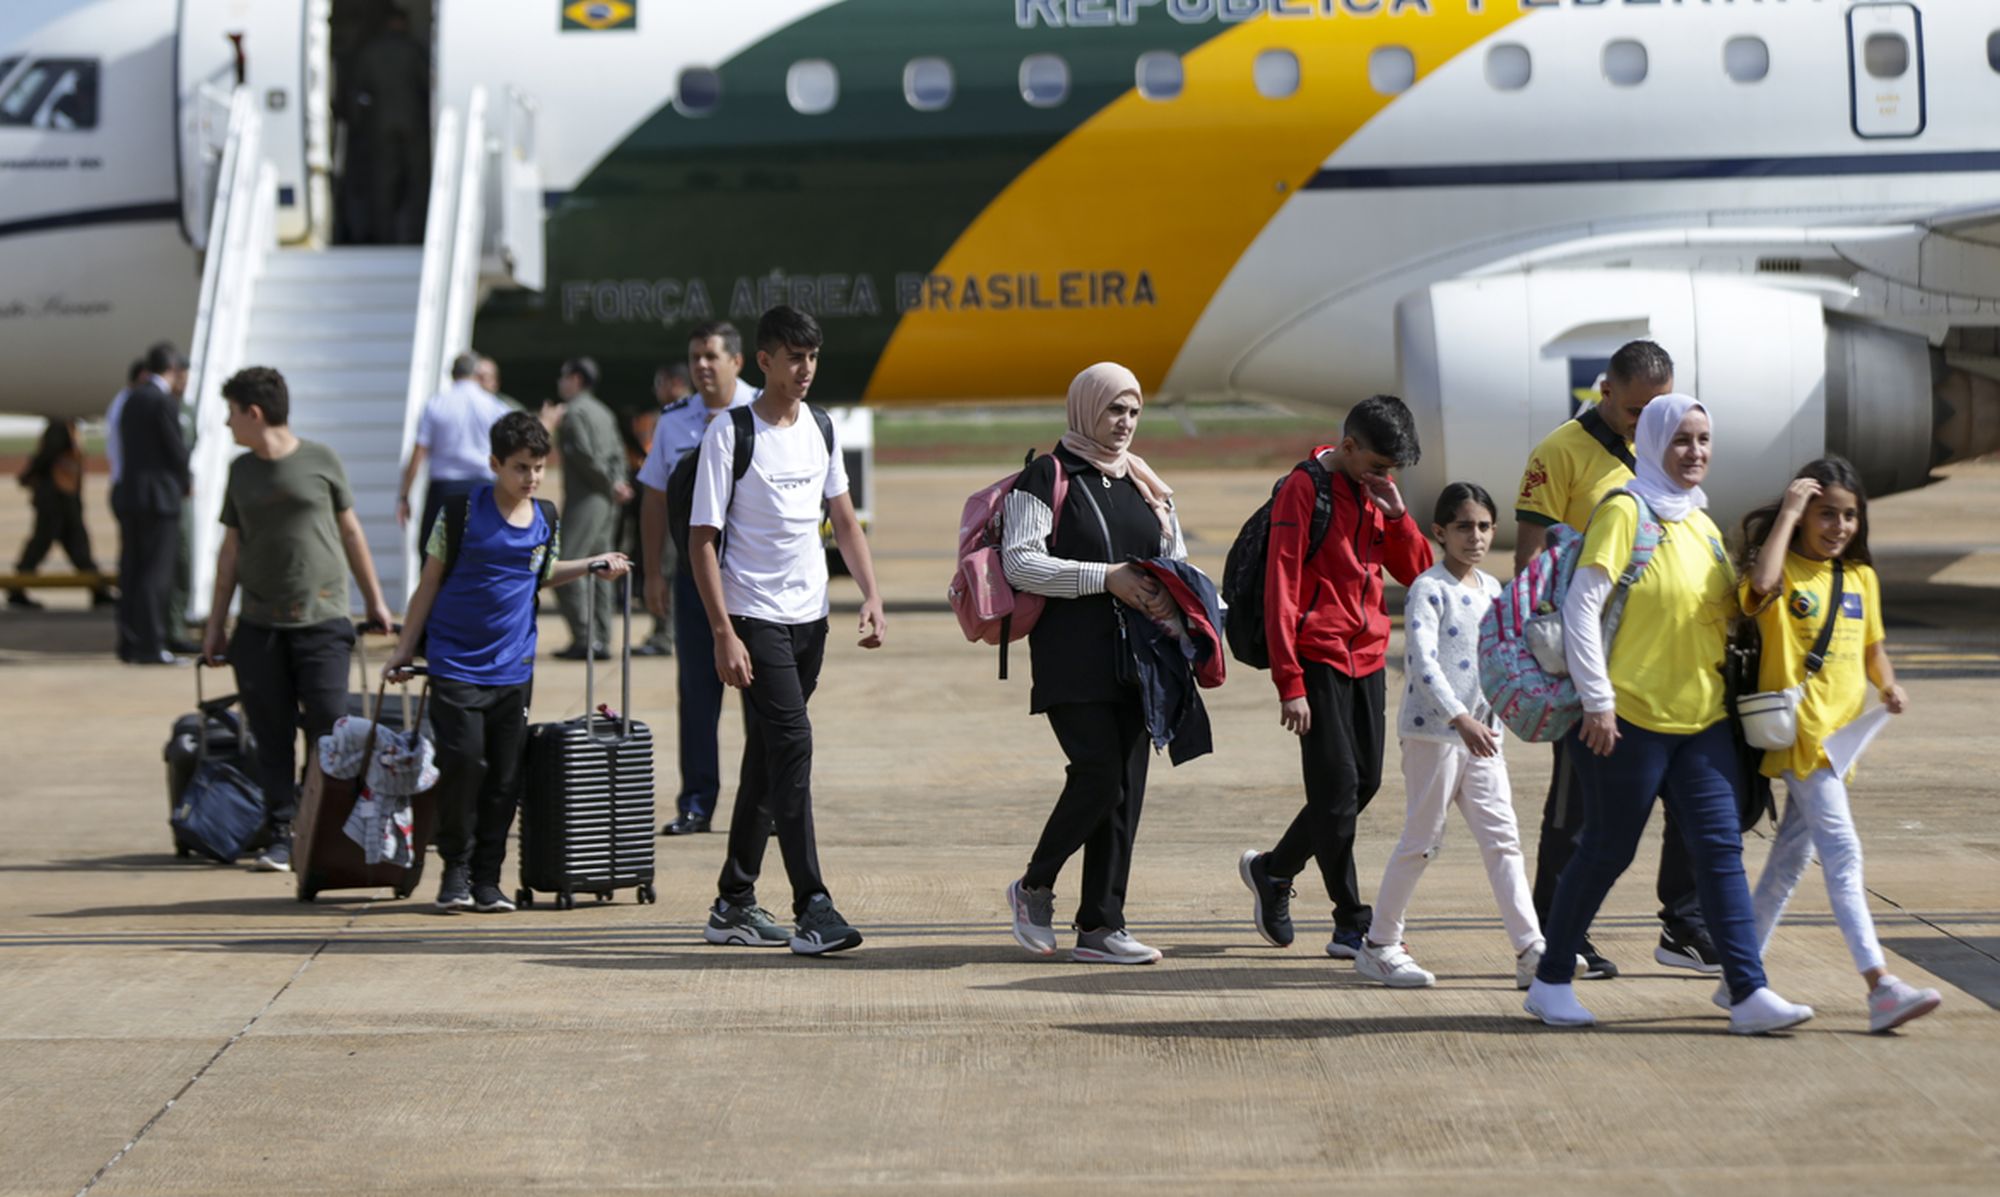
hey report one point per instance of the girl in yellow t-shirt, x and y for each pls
(1791, 547)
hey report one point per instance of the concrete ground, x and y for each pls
(173, 1028)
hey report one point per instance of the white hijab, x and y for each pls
(1658, 423)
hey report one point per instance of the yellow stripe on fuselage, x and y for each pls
(1173, 191)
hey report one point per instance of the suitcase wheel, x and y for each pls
(524, 897)
(182, 852)
(402, 893)
(307, 895)
(565, 901)
(603, 895)
(646, 895)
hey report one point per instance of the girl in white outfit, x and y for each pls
(1792, 548)
(1451, 747)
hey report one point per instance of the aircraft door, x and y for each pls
(268, 45)
(1885, 63)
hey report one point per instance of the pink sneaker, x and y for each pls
(1892, 1003)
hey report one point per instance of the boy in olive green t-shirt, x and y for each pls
(292, 539)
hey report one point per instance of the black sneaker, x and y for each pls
(1595, 967)
(277, 855)
(1687, 946)
(1271, 898)
(821, 929)
(488, 899)
(19, 600)
(455, 891)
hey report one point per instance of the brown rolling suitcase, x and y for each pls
(323, 857)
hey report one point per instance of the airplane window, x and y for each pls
(1044, 80)
(927, 84)
(1391, 70)
(1277, 74)
(1886, 55)
(813, 86)
(52, 93)
(1625, 62)
(1508, 67)
(1160, 76)
(1747, 59)
(699, 93)
(1992, 51)
(6, 64)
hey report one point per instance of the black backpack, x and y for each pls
(1243, 570)
(680, 483)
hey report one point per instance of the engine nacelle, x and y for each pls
(1491, 365)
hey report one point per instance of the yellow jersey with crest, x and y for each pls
(1789, 620)
(1567, 474)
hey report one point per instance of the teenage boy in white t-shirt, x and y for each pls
(767, 606)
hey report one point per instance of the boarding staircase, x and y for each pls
(363, 335)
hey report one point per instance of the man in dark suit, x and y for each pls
(152, 483)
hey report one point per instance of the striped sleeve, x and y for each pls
(1026, 525)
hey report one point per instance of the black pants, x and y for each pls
(1562, 831)
(145, 575)
(58, 521)
(482, 741)
(700, 700)
(775, 787)
(1342, 756)
(1098, 810)
(290, 678)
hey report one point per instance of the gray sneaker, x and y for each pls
(821, 929)
(1034, 917)
(277, 855)
(743, 926)
(1111, 947)
(455, 891)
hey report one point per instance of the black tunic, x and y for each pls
(1074, 647)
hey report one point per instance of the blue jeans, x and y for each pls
(1698, 777)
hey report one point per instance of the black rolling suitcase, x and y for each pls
(587, 802)
(214, 806)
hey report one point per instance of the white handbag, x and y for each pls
(1770, 718)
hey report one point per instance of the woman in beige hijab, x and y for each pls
(1117, 510)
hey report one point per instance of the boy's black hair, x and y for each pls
(584, 368)
(515, 431)
(731, 337)
(1383, 424)
(1642, 361)
(1455, 496)
(264, 388)
(1831, 470)
(786, 327)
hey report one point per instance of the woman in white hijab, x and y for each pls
(1653, 718)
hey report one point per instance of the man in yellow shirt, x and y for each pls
(1573, 468)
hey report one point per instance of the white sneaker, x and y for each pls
(1892, 1003)
(1392, 966)
(1721, 997)
(1111, 947)
(1557, 1006)
(1526, 964)
(1764, 1012)
(1034, 917)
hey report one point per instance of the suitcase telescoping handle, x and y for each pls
(622, 732)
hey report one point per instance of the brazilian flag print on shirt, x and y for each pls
(598, 16)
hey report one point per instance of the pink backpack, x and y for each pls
(1523, 669)
(989, 610)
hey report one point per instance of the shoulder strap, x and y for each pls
(1817, 657)
(456, 511)
(1322, 516)
(1593, 422)
(1645, 535)
(746, 441)
(825, 423)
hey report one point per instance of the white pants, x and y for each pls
(1438, 774)
(1817, 817)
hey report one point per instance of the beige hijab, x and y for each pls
(1090, 394)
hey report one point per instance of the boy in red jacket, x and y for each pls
(1329, 634)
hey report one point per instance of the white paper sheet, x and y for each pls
(1845, 746)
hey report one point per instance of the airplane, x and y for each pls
(1467, 202)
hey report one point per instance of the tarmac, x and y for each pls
(178, 1028)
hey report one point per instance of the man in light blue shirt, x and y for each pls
(715, 359)
(454, 437)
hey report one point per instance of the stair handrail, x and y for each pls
(516, 208)
(468, 228)
(242, 230)
(428, 352)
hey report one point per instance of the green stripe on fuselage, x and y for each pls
(848, 199)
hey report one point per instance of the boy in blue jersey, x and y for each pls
(478, 605)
